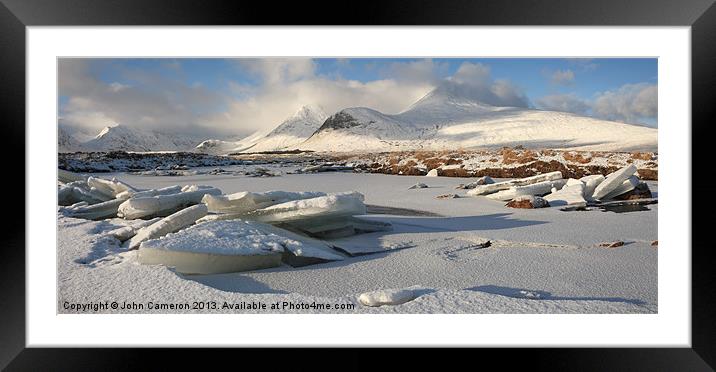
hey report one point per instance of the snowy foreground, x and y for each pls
(434, 260)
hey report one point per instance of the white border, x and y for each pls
(670, 327)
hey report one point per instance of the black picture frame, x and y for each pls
(16, 15)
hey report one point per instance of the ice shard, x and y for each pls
(244, 202)
(570, 194)
(162, 205)
(613, 181)
(539, 188)
(498, 186)
(169, 224)
(215, 247)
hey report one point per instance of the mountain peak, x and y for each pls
(309, 112)
(450, 94)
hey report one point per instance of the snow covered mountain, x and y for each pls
(286, 136)
(65, 141)
(447, 119)
(127, 139)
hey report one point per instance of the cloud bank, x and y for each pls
(161, 99)
(630, 103)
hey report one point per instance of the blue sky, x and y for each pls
(206, 89)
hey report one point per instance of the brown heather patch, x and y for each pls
(650, 164)
(432, 163)
(510, 156)
(456, 172)
(642, 155)
(453, 161)
(411, 163)
(422, 155)
(539, 167)
(494, 160)
(393, 161)
(548, 152)
(576, 157)
(648, 174)
(523, 204)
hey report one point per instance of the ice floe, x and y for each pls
(244, 202)
(163, 205)
(174, 222)
(229, 246)
(613, 181)
(498, 186)
(571, 194)
(539, 188)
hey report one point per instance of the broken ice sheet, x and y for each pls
(539, 188)
(495, 187)
(169, 224)
(243, 202)
(339, 204)
(571, 194)
(218, 246)
(163, 205)
(613, 181)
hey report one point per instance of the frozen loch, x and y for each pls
(370, 247)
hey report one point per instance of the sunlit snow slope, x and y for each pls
(286, 136)
(444, 119)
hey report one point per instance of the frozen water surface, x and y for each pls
(539, 260)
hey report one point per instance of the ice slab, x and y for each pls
(152, 192)
(109, 188)
(389, 296)
(612, 181)
(169, 224)
(498, 186)
(97, 211)
(568, 195)
(591, 183)
(485, 180)
(125, 233)
(629, 184)
(241, 238)
(539, 188)
(207, 263)
(339, 204)
(301, 245)
(243, 202)
(78, 191)
(432, 173)
(67, 177)
(162, 205)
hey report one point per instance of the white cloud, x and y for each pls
(166, 102)
(269, 105)
(562, 77)
(564, 102)
(425, 71)
(475, 81)
(153, 102)
(631, 103)
(279, 70)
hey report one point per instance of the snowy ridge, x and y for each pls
(65, 141)
(122, 138)
(444, 119)
(286, 136)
